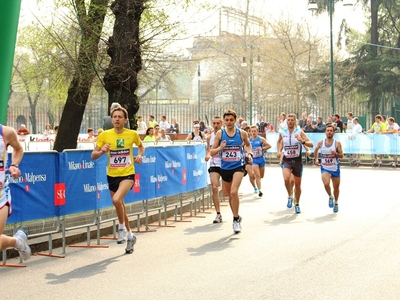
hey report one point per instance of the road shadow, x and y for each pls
(284, 217)
(205, 228)
(323, 219)
(214, 246)
(82, 272)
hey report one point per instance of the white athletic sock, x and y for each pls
(121, 226)
(130, 235)
(18, 244)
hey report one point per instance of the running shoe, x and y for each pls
(255, 190)
(237, 228)
(331, 201)
(130, 244)
(24, 250)
(121, 236)
(336, 208)
(289, 202)
(297, 209)
(260, 194)
(218, 219)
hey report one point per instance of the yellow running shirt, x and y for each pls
(120, 156)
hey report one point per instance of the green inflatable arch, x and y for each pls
(9, 16)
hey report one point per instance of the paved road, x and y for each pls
(279, 255)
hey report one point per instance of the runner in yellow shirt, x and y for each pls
(118, 144)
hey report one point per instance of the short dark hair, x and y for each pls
(230, 112)
(330, 125)
(148, 130)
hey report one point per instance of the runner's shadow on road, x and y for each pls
(285, 217)
(82, 272)
(327, 218)
(218, 245)
(205, 228)
(251, 199)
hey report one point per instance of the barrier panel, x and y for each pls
(58, 184)
(369, 143)
(33, 193)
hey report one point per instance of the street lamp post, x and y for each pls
(251, 87)
(198, 92)
(157, 83)
(313, 6)
(244, 64)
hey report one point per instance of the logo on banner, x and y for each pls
(87, 188)
(159, 179)
(184, 177)
(136, 185)
(149, 159)
(197, 173)
(33, 178)
(190, 156)
(73, 166)
(29, 177)
(59, 194)
(172, 165)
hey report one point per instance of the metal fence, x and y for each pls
(185, 112)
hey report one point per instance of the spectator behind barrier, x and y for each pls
(48, 130)
(174, 126)
(163, 135)
(149, 134)
(23, 130)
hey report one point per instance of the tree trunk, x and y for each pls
(91, 22)
(124, 49)
(32, 117)
(374, 97)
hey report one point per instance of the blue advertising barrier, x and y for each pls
(196, 173)
(33, 193)
(57, 184)
(353, 144)
(170, 177)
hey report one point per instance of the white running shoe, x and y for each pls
(130, 244)
(237, 228)
(121, 236)
(24, 250)
(218, 219)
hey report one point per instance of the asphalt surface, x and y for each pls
(317, 254)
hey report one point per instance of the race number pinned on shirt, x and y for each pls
(328, 160)
(120, 158)
(292, 151)
(257, 152)
(231, 153)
